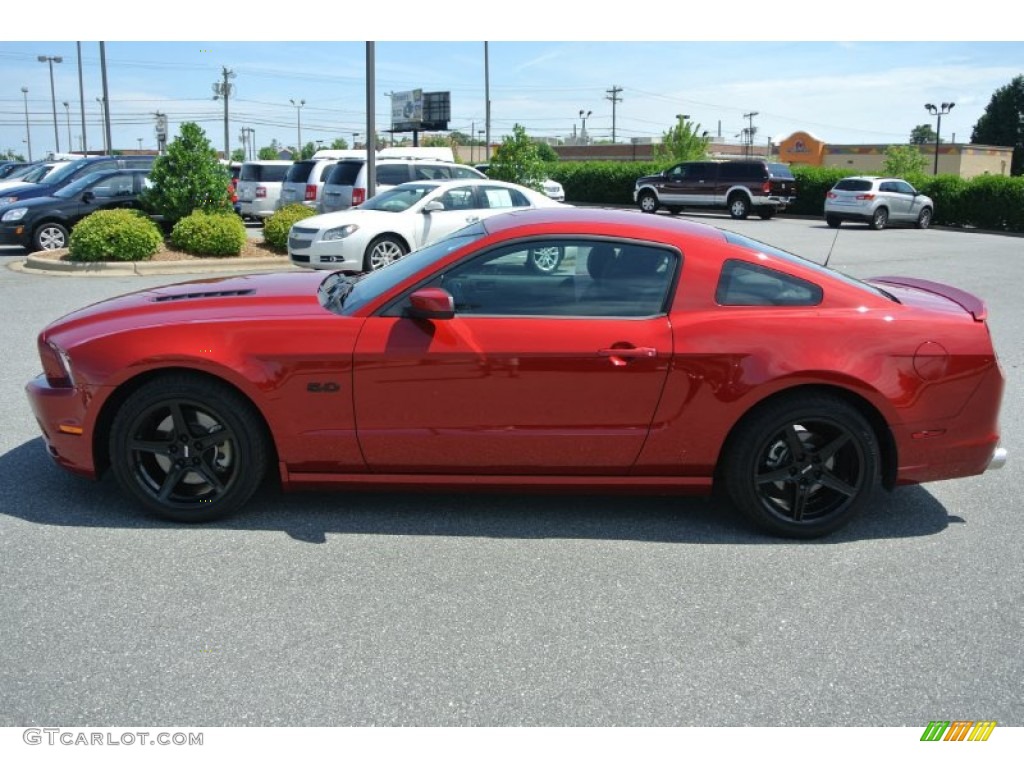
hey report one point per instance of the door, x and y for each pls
(553, 373)
(898, 199)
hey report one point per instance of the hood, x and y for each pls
(358, 216)
(246, 298)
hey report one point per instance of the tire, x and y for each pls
(833, 221)
(803, 467)
(739, 207)
(766, 213)
(879, 218)
(382, 251)
(50, 236)
(675, 210)
(648, 202)
(544, 261)
(188, 449)
(924, 218)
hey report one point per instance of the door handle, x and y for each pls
(620, 356)
(472, 219)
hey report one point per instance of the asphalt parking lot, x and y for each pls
(324, 609)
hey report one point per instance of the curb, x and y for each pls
(36, 265)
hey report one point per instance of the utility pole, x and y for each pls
(750, 133)
(487, 102)
(81, 98)
(614, 99)
(28, 130)
(106, 99)
(223, 90)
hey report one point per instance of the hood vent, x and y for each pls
(204, 295)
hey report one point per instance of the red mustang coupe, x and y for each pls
(660, 356)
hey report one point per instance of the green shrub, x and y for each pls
(275, 231)
(209, 234)
(120, 234)
(187, 177)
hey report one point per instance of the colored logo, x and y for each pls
(958, 730)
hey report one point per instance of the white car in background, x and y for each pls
(404, 218)
(33, 174)
(551, 187)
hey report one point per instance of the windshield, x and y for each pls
(771, 250)
(78, 185)
(371, 285)
(68, 171)
(34, 173)
(398, 199)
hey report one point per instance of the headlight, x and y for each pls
(15, 214)
(56, 365)
(339, 233)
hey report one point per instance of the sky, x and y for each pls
(546, 63)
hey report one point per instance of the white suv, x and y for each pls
(877, 201)
(345, 186)
(259, 187)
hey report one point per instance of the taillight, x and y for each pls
(831, 195)
(261, 191)
(311, 191)
(867, 196)
(358, 196)
(766, 188)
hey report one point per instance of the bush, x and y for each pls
(188, 177)
(275, 231)
(120, 234)
(209, 234)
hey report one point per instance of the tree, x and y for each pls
(904, 161)
(517, 160)
(238, 156)
(339, 143)
(308, 150)
(12, 156)
(546, 153)
(922, 134)
(189, 177)
(1002, 124)
(435, 140)
(682, 142)
(270, 152)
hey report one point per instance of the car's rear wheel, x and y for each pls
(50, 236)
(880, 218)
(766, 213)
(382, 251)
(924, 218)
(833, 221)
(648, 202)
(544, 261)
(188, 448)
(739, 207)
(803, 466)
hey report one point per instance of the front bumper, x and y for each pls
(61, 415)
(15, 233)
(342, 255)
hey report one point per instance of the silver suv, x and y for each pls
(877, 201)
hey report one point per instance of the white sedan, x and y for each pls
(404, 218)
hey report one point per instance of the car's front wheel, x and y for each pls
(189, 449)
(833, 221)
(544, 261)
(648, 202)
(766, 213)
(382, 251)
(50, 236)
(803, 466)
(924, 218)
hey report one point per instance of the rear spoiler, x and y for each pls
(968, 301)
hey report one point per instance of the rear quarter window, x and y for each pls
(300, 171)
(736, 171)
(345, 173)
(743, 284)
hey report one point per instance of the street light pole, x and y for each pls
(944, 109)
(53, 94)
(28, 132)
(298, 116)
(67, 109)
(103, 123)
(583, 117)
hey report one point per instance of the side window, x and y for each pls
(458, 199)
(904, 188)
(564, 278)
(393, 174)
(502, 197)
(887, 186)
(461, 172)
(119, 185)
(105, 165)
(743, 284)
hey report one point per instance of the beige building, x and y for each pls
(963, 160)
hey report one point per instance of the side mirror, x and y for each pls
(432, 303)
(88, 196)
(433, 205)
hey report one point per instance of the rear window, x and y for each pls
(779, 171)
(344, 173)
(263, 172)
(300, 170)
(853, 185)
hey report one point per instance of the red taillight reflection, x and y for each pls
(358, 196)
(831, 195)
(311, 191)
(866, 196)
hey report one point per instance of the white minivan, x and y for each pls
(259, 187)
